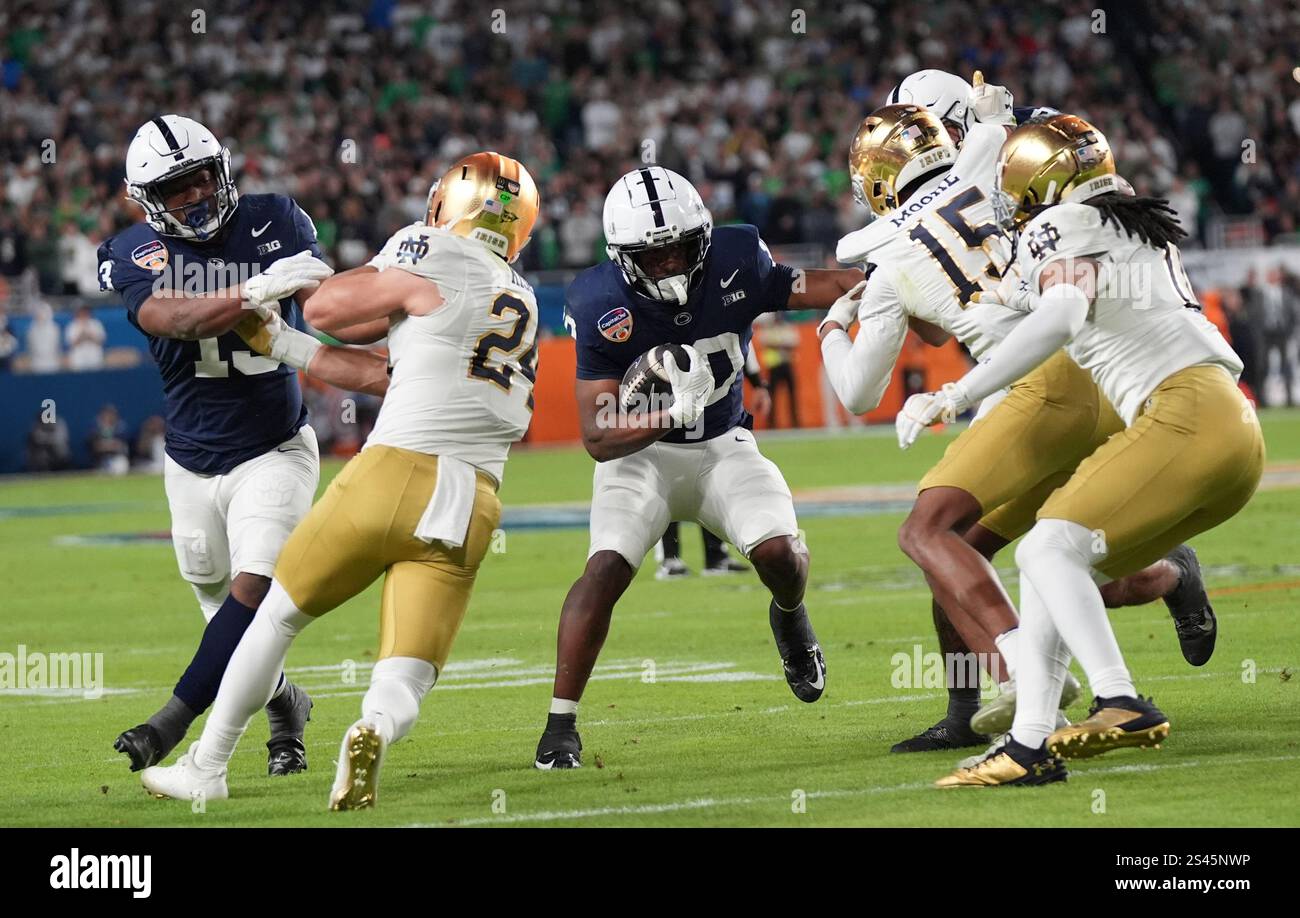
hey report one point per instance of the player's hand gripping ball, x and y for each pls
(647, 377)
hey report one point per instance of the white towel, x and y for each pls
(447, 517)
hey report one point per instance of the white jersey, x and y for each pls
(1140, 330)
(930, 258)
(462, 376)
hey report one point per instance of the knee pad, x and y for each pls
(397, 686)
(1060, 538)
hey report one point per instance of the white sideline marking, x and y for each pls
(711, 802)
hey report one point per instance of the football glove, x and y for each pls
(926, 408)
(991, 104)
(266, 333)
(691, 387)
(845, 309)
(285, 278)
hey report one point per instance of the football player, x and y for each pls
(418, 505)
(939, 248)
(242, 463)
(1106, 282)
(672, 278)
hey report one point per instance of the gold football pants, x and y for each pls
(363, 527)
(1028, 445)
(1191, 460)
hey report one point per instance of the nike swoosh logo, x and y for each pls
(292, 449)
(258, 232)
(727, 283)
(821, 677)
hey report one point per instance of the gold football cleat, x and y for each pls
(356, 783)
(1139, 724)
(1000, 769)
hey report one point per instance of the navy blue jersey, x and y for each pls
(613, 324)
(224, 403)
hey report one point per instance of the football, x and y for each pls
(646, 376)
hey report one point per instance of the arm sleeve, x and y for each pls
(131, 282)
(306, 232)
(1060, 315)
(860, 370)
(776, 281)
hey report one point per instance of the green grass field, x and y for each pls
(714, 739)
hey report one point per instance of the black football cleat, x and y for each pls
(285, 755)
(285, 752)
(143, 745)
(1193, 618)
(949, 733)
(560, 745)
(801, 656)
(1010, 765)
(1112, 723)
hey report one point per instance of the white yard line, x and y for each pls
(705, 803)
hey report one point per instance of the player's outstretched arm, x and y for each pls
(354, 369)
(172, 314)
(352, 306)
(607, 432)
(818, 288)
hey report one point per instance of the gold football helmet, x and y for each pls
(487, 197)
(894, 146)
(1060, 158)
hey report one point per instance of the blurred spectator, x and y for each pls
(48, 446)
(108, 447)
(85, 340)
(77, 258)
(1245, 335)
(150, 444)
(1276, 307)
(43, 341)
(8, 344)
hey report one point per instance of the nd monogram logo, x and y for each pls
(1044, 238)
(413, 249)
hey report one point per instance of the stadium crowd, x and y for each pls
(353, 113)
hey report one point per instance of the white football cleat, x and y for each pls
(184, 780)
(356, 782)
(995, 717)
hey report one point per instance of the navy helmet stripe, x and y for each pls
(167, 133)
(648, 179)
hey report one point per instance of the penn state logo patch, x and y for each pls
(152, 256)
(616, 325)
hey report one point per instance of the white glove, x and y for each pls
(267, 334)
(926, 408)
(845, 309)
(285, 278)
(691, 388)
(992, 104)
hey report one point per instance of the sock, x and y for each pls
(1008, 644)
(397, 686)
(1057, 556)
(1042, 670)
(252, 673)
(198, 685)
(671, 541)
(282, 711)
(784, 609)
(563, 706)
(172, 721)
(962, 703)
(715, 550)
